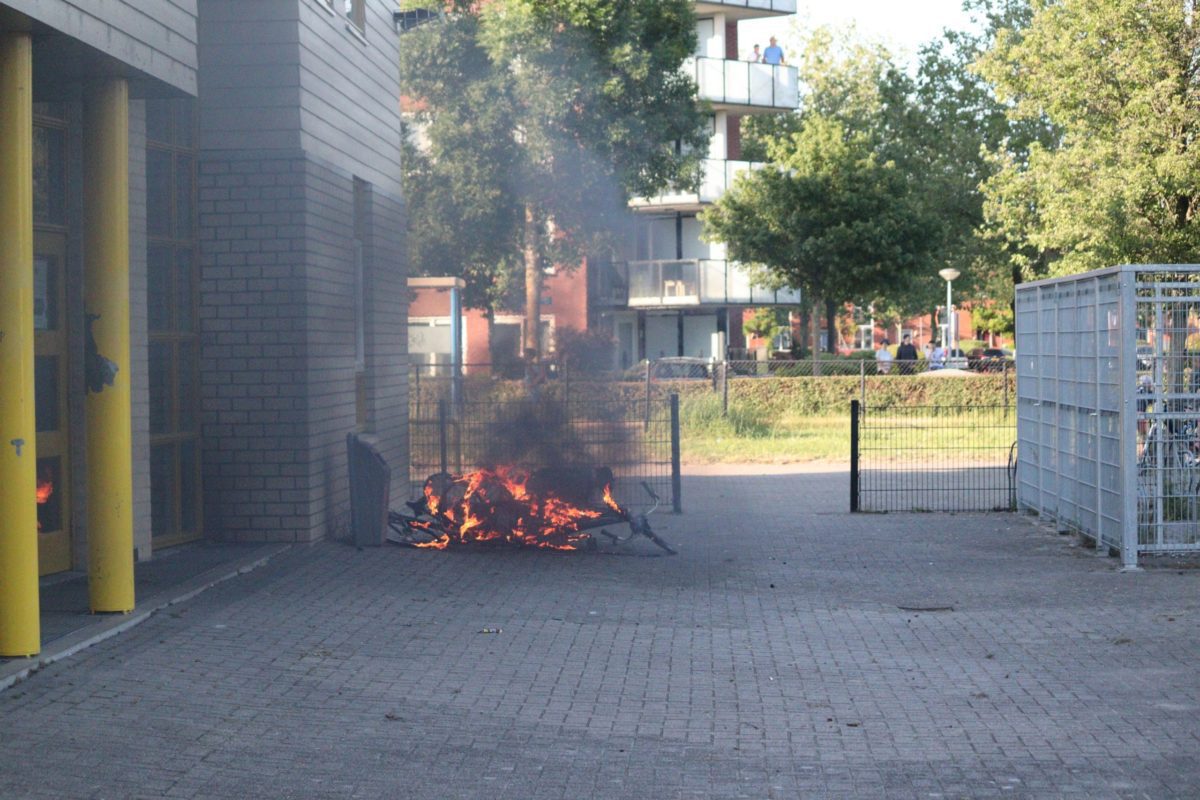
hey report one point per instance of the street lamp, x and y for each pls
(949, 275)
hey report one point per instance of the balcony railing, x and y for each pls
(764, 6)
(718, 176)
(691, 282)
(744, 83)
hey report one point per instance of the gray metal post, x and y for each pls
(1128, 420)
(725, 388)
(862, 381)
(1006, 388)
(443, 432)
(456, 359)
(676, 473)
(854, 409)
(647, 416)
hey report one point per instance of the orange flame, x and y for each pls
(496, 505)
(45, 488)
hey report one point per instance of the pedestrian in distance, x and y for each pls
(906, 355)
(883, 358)
(756, 56)
(938, 359)
(773, 54)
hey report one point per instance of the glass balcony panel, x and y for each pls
(644, 282)
(743, 83)
(739, 284)
(712, 281)
(737, 81)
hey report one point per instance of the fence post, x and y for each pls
(1006, 388)
(443, 432)
(676, 477)
(725, 388)
(854, 410)
(647, 420)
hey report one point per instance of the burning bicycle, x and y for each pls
(552, 508)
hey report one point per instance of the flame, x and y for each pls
(45, 488)
(496, 505)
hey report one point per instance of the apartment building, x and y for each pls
(202, 286)
(667, 292)
(671, 291)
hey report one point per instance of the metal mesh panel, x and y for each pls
(1167, 359)
(1108, 385)
(594, 422)
(937, 458)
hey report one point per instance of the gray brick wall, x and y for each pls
(139, 340)
(387, 335)
(281, 144)
(278, 343)
(253, 373)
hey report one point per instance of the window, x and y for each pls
(356, 12)
(175, 491)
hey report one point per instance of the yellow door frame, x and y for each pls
(50, 251)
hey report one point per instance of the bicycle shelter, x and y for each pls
(1108, 406)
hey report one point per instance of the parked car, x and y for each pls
(990, 359)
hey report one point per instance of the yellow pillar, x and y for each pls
(20, 628)
(106, 302)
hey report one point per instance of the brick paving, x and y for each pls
(778, 655)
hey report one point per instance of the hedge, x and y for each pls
(770, 395)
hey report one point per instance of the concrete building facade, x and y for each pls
(201, 278)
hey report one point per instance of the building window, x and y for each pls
(175, 491)
(356, 12)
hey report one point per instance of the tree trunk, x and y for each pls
(531, 344)
(830, 326)
(803, 337)
(815, 327)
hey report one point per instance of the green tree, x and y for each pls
(1118, 81)
(764, 323)
(541, 118)
(827, 215)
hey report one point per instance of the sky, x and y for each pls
(902, 25)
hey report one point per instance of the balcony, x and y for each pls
(718, 176)
(746, 9)
(694, 282)
(743, 86)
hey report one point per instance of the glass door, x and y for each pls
(50, 381)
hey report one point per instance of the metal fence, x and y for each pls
(932, 458)
(560, 423)
(1109, 406)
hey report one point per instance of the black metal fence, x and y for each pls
(489, 421)
(933, 458)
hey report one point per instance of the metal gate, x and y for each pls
(932, 458)
(595, 423)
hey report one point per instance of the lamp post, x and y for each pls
(949, 275)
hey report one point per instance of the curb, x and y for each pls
(21, 668)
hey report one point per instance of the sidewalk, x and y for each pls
(789, 650)
(175, 575)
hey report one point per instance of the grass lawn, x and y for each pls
(707, 437)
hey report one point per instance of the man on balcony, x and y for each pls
(773, 54)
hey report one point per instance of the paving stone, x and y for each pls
(789, 650)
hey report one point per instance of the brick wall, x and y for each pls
(253, 373)
(278, 343)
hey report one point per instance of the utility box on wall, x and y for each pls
(1108, 406)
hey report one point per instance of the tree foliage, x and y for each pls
(1117, 79)
(539, 119)
(826, 214)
